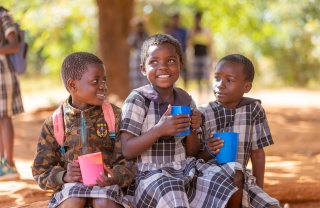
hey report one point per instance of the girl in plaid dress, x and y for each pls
(232, 112)
(54, 166)
(135, 41)
(169, 175)
(10, 96)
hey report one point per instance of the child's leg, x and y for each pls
(236, 198)
(73, 202)
(104, 203)
(7, 136)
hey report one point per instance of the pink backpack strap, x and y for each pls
(109, 118)
(58, 122)
(58, 125)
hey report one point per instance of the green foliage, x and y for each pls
(281, 37)
(54, 30)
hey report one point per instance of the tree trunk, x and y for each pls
(114, 28)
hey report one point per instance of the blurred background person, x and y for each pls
(180, 33)
(10, 96)
(135, 41)
(200, 40)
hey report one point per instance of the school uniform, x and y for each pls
(249, 120)
(136, 77)
(10, 95)
(166, 176)
(50, 162)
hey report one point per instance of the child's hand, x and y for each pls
(195, 119)
(73, 173)
(170, 125)
(214, 144)
(108, 179)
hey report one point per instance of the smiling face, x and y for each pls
(162, 66)
(230, 84)
(91, 89)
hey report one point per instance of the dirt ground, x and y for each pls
(292, 167)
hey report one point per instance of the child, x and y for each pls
(168, 173)
(232, 112)
(10, 96)
(84, 77)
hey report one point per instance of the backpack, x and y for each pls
(19, 59)
(58, 123)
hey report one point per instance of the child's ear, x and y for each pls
(181, 67)
(247, 87)
(71, 85)
(143, 70)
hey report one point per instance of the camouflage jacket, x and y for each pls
(49, 163)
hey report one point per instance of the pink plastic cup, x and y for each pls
(91, 165)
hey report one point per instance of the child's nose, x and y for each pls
(220, 84)
(162, 65)
(103, 86)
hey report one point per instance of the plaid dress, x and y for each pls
(250, 121)
(136, 77)
(201, 44)
(166, 176)
(10, 95)
(49, 161)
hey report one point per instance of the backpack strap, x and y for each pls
(58, 122)
(109, 118)
(58, 125)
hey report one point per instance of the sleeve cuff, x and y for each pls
(123, 175)
(59, 177)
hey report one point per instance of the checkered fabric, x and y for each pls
(69, 190)
(135, 41)
(166, 177)
(136, 77)
(10, 95)
(250, 121)
(201, 67)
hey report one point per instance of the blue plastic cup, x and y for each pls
(229, 151)
(177, 110)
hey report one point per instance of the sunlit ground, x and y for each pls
(292, 163)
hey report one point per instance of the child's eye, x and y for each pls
(171, 61)
(153, 62)
(217, 78)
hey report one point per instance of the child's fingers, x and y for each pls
(168, 111)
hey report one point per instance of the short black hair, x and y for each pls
(248, 68)
(75, 64)
(2, 9)
(198, 14)
(160, 39)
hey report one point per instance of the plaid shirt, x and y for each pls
(248, 119)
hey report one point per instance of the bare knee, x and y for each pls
(73, 202)
(238, 179)
(105, 203)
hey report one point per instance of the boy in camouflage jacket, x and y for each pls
(84, 77)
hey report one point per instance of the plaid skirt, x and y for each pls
(136, 77)
(193, 183)
(10, 95)
(69, 190)
(201, 67)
